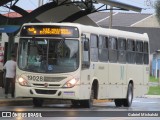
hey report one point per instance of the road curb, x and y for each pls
(16, 101)
(152, 96)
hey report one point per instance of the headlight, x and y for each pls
(23, 81)
(71, 83)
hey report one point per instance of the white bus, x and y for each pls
(81, 63)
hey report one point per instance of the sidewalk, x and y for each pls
(28, 101)
(23, 101)
(13, 101)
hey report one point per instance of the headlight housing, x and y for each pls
(23, 82)
(71, 83)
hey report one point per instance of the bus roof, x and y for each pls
(99, 30)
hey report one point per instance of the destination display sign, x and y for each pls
(46, 30)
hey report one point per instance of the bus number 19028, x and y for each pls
(35, 78)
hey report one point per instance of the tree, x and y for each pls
(157, 8)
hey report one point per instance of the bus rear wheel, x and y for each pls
(128, 101)
(37, 102)
(118, 102)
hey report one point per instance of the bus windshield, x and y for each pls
(48, 55)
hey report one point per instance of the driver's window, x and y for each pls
(85, 59)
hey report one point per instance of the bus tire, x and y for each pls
(88, 103)
(37, 102)
(75, 102)
(128, 101)
(118, 102)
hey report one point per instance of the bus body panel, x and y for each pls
(117, 73)
(135, 73)
(146, 74)
(101, 73)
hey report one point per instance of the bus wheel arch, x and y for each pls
(93, 95)
(95, 88)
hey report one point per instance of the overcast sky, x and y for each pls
(147, 5)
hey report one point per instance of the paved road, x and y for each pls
(100, 111)
(105, 110)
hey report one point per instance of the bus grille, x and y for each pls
(53, 79)
(50, 85)
(38, 91)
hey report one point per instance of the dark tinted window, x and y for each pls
(94, 48)
(131, 55)
(139, 46)
(103, 48)
(112, 45)
(130, 45)
(146, 54)
(139, 52)
(145, 48)
(122, 50)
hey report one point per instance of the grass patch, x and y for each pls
(153, 79)
(154, 90)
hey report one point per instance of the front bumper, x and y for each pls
(49, 92)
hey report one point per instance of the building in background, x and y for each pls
(156, 64)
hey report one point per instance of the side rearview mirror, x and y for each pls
(85, 64)
(86, 45)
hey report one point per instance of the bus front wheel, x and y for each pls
(75, 102)
(37, 102)
(88, 103)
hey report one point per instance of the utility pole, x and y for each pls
(111, 17)
(40, 3)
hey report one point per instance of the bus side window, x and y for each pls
(146, 54)
(122, 50)
(112, 49)
(131, 54)
(139, 52)
(94, 48)
(103, 48)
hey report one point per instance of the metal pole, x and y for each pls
(156, 68)
(40, 3)
(111, 16)
(10, 45)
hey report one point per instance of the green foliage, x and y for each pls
(153, 79)
(157, 8)
(154, 90)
